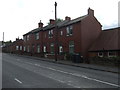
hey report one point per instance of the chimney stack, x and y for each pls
(67, 18)
(40, 24)
(17, 39)
(90, 12)
(52, 21)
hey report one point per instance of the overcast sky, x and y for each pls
(18, 17)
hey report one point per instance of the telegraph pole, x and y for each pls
(3, 36)
(56, 33)
(3, 39)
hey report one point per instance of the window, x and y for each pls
(71, 47)
(52, 47)
(61, 33)
(20, 47)
(100, 54)
(69, 30)
(44, 49)
(50, 33)
(38, 48)
(24, 48)
(28, 49)
(24, 38)
(17, 47)
(33, 47)
(60, 49)
(37, 36)
(28, 37)
(111, 54)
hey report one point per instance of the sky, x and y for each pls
(18, 17)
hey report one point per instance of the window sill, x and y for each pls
(69, 35)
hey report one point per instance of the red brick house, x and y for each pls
(107, 44)
(14, 47)
(73, 36)
(17, 46)
(33, 40)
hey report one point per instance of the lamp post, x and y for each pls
(56, 33)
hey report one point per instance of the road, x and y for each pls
(24, 72)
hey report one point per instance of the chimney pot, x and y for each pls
(90, 12)
(52, 21)
(17, 39)
(40, 24)
(67, 18)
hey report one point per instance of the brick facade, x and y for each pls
(81, 35)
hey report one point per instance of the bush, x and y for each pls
(67, 56)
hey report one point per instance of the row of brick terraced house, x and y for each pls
(83, 35)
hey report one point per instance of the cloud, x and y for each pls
(20, 16)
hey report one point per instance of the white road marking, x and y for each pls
(29, 63)
(102, 82)
(78, 75)
(70, 81)
(73, 85)
(18, 59)
(37, 65)
(18, 81)
(63, 82)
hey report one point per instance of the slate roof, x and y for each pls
(33, 31)
(59, 25)
(108, 40)
(65, 23)
(74, 20)
(50, 26)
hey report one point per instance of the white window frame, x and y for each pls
(50, 33)
(24, 48)
(99, 55)
(37, 36)
(44, 49)
(69, 29)
(71, 46)
(60, 48)
(61, 33)
(38, 48)
(24, 38)
(21, 48)
(52, 47)
(28, 37)
(17, 47)
(111, 55)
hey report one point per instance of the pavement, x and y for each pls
(82, 65)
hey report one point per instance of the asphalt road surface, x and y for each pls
(23, 72)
